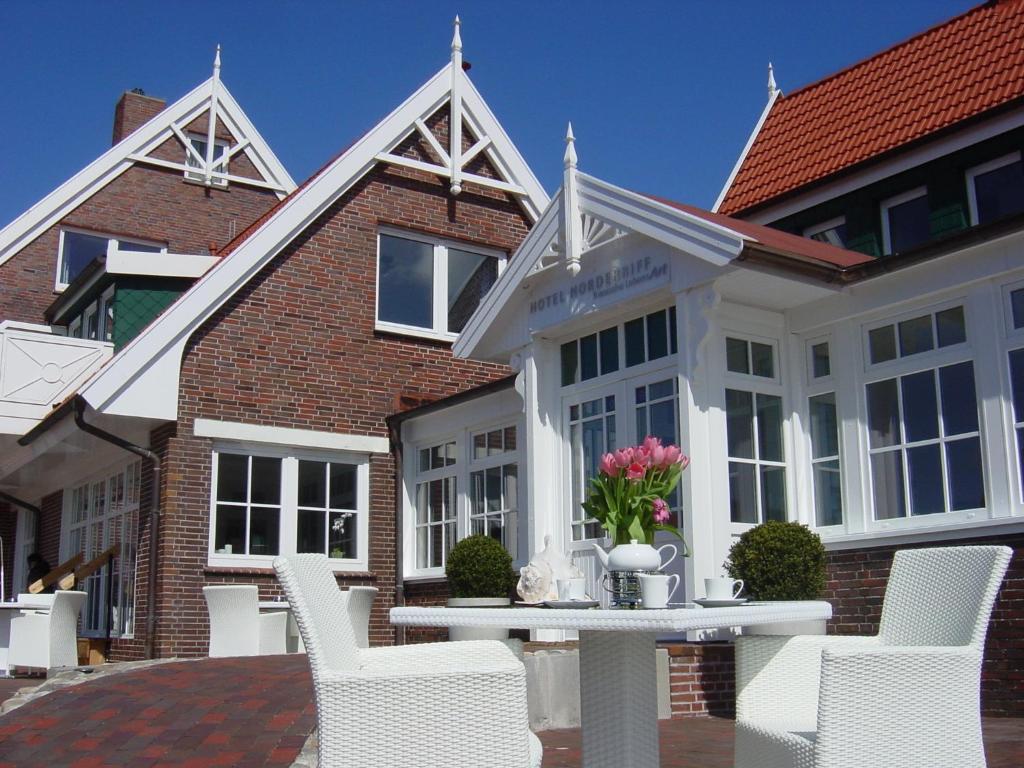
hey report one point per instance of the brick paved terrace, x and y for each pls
(259, 711)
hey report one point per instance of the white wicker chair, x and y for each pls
(47, 639)
(908, 697)
(237, 628)
(414, 706)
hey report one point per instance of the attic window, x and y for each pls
(996, 189)
(905, 221)
(832, 232)
(77, 249)
(199, 144)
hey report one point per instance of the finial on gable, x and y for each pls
(772, 88)
(216, 59)
(457, 36)
(570, 148)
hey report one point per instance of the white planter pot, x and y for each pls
(809, 627)
(478, 633)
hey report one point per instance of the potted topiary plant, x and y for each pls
(780, 561)
(480, 574)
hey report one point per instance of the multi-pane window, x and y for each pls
(1017, 396)
(756, 455)
(200, 145)
(996, 189)
(637, 341)
(915, 335)
(494, 487)
(429, 286)
(905, 221)
(825, 466)
(832, 232)
(592, 433)
(820, 360)
(327, 509)
(78, 249)
(436, 504)
(284, 502)
(924, 443)
(750, 358)
(656, 408)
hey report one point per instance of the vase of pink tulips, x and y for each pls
(629, 496)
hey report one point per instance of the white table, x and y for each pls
(618, 670)
(7, 611)
(294, 641)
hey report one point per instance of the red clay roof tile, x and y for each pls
(949, 73)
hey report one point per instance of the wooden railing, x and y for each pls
(63, 576)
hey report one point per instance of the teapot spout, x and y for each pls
(601, 554)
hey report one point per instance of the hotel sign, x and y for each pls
(595, 288)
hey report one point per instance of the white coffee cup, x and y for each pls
(572, 589)
(723, 588)
(654, 589)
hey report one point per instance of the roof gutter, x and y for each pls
(154, 513)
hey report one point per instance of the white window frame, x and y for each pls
(91, 311)
(824, 226)
(197, 174)
(1011, 332)
(815, 387)
(290, 457)
(931, 310)
(812, 380)
(978, 170)
(439, 302)
(892, 202)
(456, 471)
(105, 302)
(777, 362)
(113, 246)
(502, 459)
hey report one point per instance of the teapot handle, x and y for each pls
(673, 557)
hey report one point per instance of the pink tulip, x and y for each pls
(684, 461)
(635, 471)
(658, 457)
(642, 456)
(672, 455)
(651, 442)
(661, 511)
(608, 466)
(623, 457)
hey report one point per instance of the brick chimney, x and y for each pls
(133, 109)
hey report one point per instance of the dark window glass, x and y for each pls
(470, 277)
(739, 420)
(883, 343)
(773, 493)
(883, 413)
(635, 351)
(762, 360)
(887, 483)
(736, 355)
(920, 407)
(828, 493)
(673, 341)
(609, 340)
(769, 427)
(405, 283)
(966, 484)
(310, 534)
(824, 428)
(959, 399)
(916, 335)
(79, 250)
(999, 192)
(312, 484)
(266, 480)
(742, 493)
(951, 327)
(657, 336)
(1017, 383)
(1017, 307)
(821, 363)
(232, 477)
(570, 363)
(341, 534)
(924, 465)
(230, 529)
(908, 224)
(343, 486)
(264, 529)
(588, 357)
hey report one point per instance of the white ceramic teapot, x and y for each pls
(634, 557)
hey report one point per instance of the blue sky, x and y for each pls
(662, 95)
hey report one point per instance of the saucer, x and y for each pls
(705, 603)
(571, 603)
(527, 604)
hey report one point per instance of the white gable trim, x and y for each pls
(301, 438)
(134, 148)
(618, 207)
(746, 149)
(142, 380)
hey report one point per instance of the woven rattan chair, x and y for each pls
(414, 706)
(237, 628)
(908, 697)
(47, 639)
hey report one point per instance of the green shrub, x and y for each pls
(779, 561)
(479, 566)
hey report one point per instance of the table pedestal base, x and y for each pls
(619, 699)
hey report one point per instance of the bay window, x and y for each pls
(270, 502)
(429, 287)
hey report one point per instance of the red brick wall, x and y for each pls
(425, 593)
(856, 585)
(702, 679)
(132, 110)
(296, 348)
(145, 202)
(48, 538)
(8, 529)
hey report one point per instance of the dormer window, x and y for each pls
(905, 221)
(77, 249)
(832, 232)
(199, 144)
(996, 189)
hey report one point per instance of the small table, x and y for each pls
(294, 640)
(618, 669)
(7, 612)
